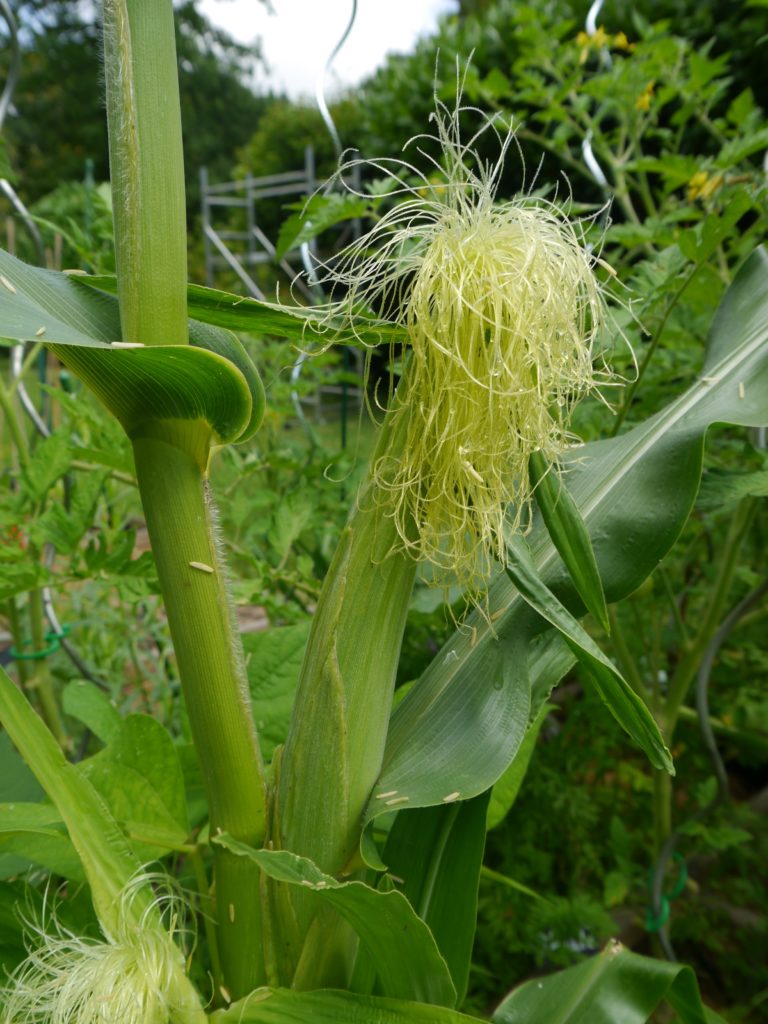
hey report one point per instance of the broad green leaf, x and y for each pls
(635, 493)
(140, 778)
(569, 535)
(624, 704)
(293, 323)
(103, 850)
(285, 1006)
(399, 944)
(225, 344)
(274, 663)
(443, 735)
(506, 788)
(91, 706)
(614, 986)
(44, 305)
(35, 833)
(142, 387)
(145, 746)
(438, 853)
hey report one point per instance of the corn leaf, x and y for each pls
(506, 788)
(212, 380)
(107, 859)
(303, 325)
(399, 944)
(40, 305)
(285, 1006)
(616, 985)
(569, 535)
(165, 382)
(438, 853)
(624, 704)
(470, 724)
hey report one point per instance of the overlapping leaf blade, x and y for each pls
(285, 1006)
(40, 305)
(569, 535)
(409, 968)
(437, 852)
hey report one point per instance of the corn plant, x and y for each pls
(339, 882)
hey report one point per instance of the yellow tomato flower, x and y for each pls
(620, 42)
(643, 101)
(702, 186)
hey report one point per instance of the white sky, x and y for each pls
(298, 37)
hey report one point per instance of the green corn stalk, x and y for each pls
(172, 454)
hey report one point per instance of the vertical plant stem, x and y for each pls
(14, 624)
(201, 881)
(212, 670)
(150, 239)
(689, 663)
(15, 429)
(147, 165)
(662, 809)
(41, 679)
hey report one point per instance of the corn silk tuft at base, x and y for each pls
(133, 977)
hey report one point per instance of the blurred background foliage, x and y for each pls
(672, 96)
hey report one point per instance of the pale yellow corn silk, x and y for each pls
(135, 976)
(501, 306)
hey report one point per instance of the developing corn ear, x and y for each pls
(500, 305)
